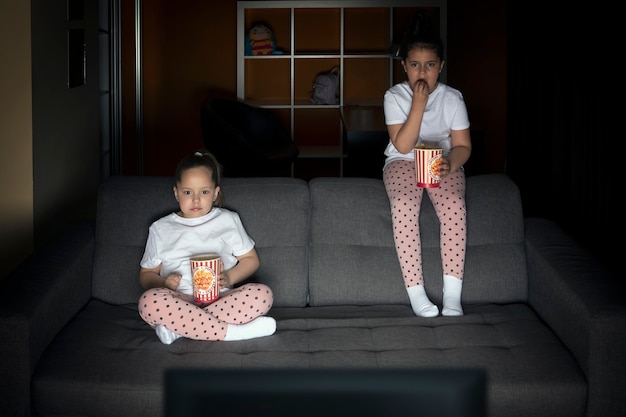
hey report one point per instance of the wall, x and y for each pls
(189, 53)
(522, 87)
(477, 65)
(16, 166)
(522, 91)
(66, 128)
(50, 147)
(562, 141)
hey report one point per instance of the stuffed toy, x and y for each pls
(260, 41)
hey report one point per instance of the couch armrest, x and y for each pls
(584, 306)
(38, 298)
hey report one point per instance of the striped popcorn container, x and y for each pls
(427, 162)
(204, 272)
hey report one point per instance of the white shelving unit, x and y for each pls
(312, 37)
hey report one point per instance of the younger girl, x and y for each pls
(202, 226)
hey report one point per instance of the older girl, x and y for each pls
(423, 110)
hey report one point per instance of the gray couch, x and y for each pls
(541, 317)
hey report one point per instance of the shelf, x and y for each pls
(313, 37)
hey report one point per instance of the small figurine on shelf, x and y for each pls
(260, 41)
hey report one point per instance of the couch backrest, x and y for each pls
(275, 212)
(353, 259)
(346, 256)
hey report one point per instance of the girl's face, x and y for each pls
(422, 64)
(196, 192)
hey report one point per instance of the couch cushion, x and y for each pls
(352, 242)
(108, 362)
(275, 212)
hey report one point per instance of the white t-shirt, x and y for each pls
(172, 240)
(445, 111)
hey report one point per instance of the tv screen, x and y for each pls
(325, 393)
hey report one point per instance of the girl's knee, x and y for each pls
(264, 295)
(153, 294)
(151, 298)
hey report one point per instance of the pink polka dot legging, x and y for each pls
(182, 315)
(405, 198)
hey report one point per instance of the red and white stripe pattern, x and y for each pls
(427, 162)
(203, 268)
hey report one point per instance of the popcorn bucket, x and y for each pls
(204, 272)
(427, 161)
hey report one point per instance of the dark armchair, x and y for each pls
(248, 141)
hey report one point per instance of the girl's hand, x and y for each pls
(223, 280)
(172, 281)
(444, 167)
(420, 90)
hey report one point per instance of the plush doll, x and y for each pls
(261, 40)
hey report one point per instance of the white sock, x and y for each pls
(420, 303)
(452, 287)
(261, 326)
(166, 336)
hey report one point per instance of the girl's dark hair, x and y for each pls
(202, 158)
(420, 34)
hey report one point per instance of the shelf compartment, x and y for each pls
(305, 71)
(317, 31)
(277, 20)
(283, 115)
(366, 30)
(268, 81)
(317, 127)
(398, 72)
(365, 80)
(402, 19)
